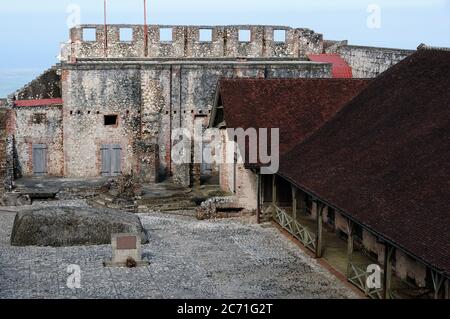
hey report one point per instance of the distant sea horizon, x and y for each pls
(15, 78)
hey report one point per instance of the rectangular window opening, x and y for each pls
(90, 34)
(126, 34)
(245, 35)
(166, 35)
(279, 36)
(206, 35)
(110, 120)
(39, 118)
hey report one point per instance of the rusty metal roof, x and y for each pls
(40, 102)
(340, 68)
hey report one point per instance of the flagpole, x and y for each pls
(106, 28)
(145, 29)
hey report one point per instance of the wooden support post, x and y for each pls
(438, 281)
(447, 289)
(258, 198)
(388, 254)
(274, 189)
(350, 247)
(301, 202)
(263, 186)
(294, 202)
(319, 238)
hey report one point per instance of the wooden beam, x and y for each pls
(388, 254)
(447, 289)
(319, 233)
(438, 281)
(350, 246)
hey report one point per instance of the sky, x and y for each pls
(32, 30)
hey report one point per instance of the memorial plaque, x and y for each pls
(126, 248)
(126, 242)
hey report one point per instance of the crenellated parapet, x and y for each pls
(169, 41)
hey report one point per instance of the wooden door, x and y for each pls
(111, 160)
(39, 159)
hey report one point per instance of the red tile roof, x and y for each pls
(340, 69)
(384, 158)
(298, 107)
(42, 102)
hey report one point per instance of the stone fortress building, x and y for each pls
(111, 104)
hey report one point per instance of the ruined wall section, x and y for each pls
(45, 86)
(186, 42)
(368, 62)
(152, 99)
(90, 94)
(38, 125)
(194, 91)
(156, 90)
(3, 147)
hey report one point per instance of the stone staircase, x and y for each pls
(108, 201)
(164, 197)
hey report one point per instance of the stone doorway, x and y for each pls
(39, 159)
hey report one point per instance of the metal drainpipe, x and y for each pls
(145, 30)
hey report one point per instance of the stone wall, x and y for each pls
(155, 85)
(45, 86)
(3, 146)
(148, 162)
(89, 95)
(368, 62)
(186, 42)
(38, 125)
(152, 99)
(236, 179)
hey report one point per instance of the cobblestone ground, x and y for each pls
(189, 259)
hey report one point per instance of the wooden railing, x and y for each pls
(300, 232)
(358, 277)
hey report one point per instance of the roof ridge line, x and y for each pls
(429, 47)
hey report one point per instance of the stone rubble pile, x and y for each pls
(217, 207)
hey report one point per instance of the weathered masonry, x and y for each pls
(111, 105)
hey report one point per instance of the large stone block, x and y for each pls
(72, 226)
